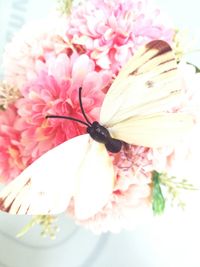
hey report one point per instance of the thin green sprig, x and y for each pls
(174, 188)
(47, 222)
(65, 6)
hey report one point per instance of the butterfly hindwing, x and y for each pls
(156, 130)
(95, 181)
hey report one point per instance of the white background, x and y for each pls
(168, 241)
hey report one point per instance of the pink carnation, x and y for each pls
(110, 31)
(55, 91)
(11, 162)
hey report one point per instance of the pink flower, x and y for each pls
(180, 161)
(110, 31)
(11, 161)
(31, 46)
(183, 160)
(55, 91)
(191, 87)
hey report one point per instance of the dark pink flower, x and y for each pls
(11, 161)
(55, 92)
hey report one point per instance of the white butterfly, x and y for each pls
(134, 111)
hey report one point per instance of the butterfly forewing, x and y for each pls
(149, 77)
(136, 108)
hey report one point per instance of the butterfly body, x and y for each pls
(102, 135)
(136, 110)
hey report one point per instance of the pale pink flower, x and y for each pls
(11, 161)
(110, 31)
(31, 46)
(191, 87)
(55, 91)
(183, 162)
(177, 160)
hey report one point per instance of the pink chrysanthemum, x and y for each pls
(55, 91)
(110, 31)
(11, 162)
(31, 46)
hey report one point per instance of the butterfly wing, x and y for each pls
(138, 99)
(79, 168)
(95, 181)
(148, 83)
(47, 185)
(155, 130)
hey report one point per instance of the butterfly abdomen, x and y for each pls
(101, 134)
(114, 145)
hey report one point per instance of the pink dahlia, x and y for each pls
(55, 91)
(11, 161)
(110, 31)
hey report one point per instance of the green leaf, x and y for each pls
(26, 228)
(158, 201)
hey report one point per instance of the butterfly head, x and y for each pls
(98, 132)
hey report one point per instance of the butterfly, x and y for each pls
(134, 111)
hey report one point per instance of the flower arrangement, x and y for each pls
(45, 65)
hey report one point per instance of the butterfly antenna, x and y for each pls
(81, 105)
(67, 118)
(87, 123)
